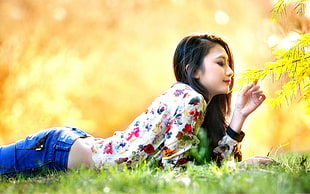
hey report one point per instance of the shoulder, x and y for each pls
(186, 91)
(181, 93)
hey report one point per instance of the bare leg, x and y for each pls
(80, 153)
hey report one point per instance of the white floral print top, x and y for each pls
(164, 133)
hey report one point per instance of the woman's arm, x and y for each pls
(247, 102)
(229, 146)
(181, 133)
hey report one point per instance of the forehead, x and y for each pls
(217, 52)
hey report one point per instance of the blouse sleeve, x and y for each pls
(228, 148)
(181, 132)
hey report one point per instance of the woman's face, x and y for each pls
(215, 73)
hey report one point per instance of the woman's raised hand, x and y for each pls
(249, 99)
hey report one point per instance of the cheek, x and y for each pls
(213, 72)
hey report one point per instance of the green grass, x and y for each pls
(291, 175)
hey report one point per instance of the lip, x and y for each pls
(227, 81)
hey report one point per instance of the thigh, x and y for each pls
(66, 144)
(7, 158)
(25, 155)
(35, 152)
(45, 150)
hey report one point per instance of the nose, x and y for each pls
(229, 71)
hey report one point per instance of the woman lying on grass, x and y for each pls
(186, 123)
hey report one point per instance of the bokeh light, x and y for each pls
(96, 65)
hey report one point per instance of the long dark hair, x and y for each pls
(188, 58)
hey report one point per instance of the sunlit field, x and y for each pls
(290, 175)
(96, 65)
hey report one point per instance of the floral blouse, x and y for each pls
(163, 134)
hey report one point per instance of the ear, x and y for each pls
(186, 67)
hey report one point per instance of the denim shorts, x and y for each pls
(44, 151)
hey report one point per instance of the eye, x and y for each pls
(221, 63)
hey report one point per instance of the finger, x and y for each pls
(255, 88)
(255, 81)
(261, 156)
(258, 93)
(247, 89)
(262, 98)
(260, 159)
(265, 161)
(252, 86)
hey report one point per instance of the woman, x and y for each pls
(186, 123)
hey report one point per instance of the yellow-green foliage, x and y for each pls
(293, 64)
(279, 8)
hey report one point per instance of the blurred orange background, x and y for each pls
(96, 65)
